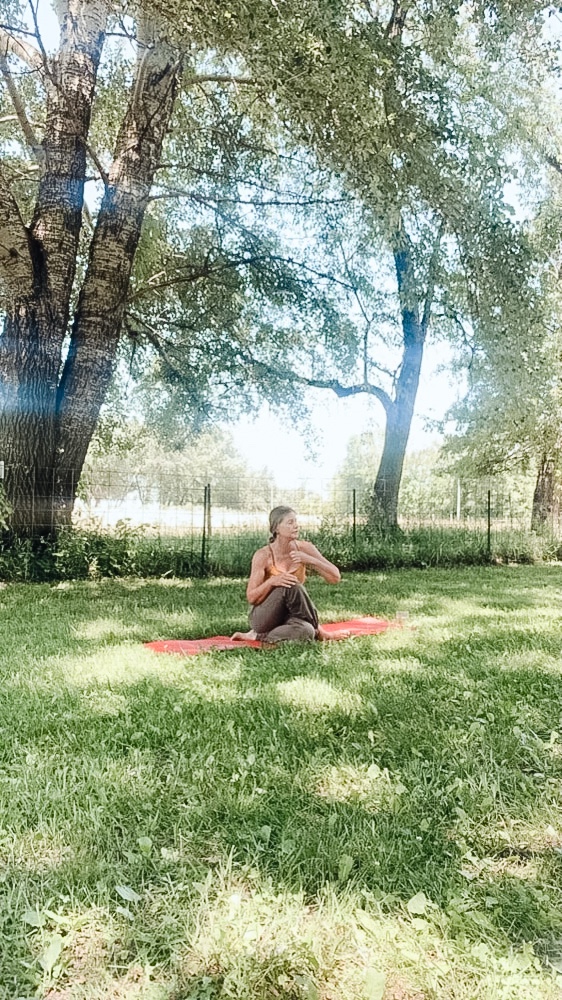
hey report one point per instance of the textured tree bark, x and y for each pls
(399, 414)
(400, 410)
(39, 301)
(50, 396)
(544, 496)
(101, 305)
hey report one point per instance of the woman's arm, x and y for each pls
(258, 587)
(308, 554)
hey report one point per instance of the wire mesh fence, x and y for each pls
(176, 505)
(180, 505)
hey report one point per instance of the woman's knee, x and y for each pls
(306, 631)
(294, 630)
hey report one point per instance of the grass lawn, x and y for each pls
(378, 818)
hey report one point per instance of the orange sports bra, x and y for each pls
(273, 570)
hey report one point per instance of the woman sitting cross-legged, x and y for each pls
(281, 608)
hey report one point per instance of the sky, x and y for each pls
(268, 441)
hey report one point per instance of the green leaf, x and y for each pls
(375, 983)
(145, 845)
(344, 867)
(417, 904)
(33, 918)
(264, 834)
(367, 922)
(127, 893)
(56, 918)
(48, 959)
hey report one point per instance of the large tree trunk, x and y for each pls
(49, 402)
(39, 305)
(398, 422)
(399, 410)
(101, 305)
(29, 367)
(544, 496)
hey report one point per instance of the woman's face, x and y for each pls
(288, 527)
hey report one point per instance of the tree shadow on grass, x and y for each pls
(403, 783)
(43, 620)
(382, 770)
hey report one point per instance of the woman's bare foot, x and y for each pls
(240, 636)
(324, 636)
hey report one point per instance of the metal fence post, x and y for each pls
(354, 515)
(209, 511)
(33, 488)
(204, 535)
(489, 539)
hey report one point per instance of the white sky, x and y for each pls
(268, 441)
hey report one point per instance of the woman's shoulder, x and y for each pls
(306, 546)
(262, 555)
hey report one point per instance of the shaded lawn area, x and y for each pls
(378, 818)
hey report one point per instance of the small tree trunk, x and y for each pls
(544, 495)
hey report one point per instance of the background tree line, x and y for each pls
(159, 163)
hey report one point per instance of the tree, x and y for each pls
(373, 99)
(185, 291)
(357, 471)
(140, 460)
(510, 419)
(52, 390)
(402, 108)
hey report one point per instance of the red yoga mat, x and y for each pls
(190, 647)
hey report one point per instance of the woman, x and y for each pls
(281, 608)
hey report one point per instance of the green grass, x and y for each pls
(350, 821)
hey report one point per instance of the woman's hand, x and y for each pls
(298, 558)
(307, 554)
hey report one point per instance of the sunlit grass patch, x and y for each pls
(35, 851)
(107, 629)
(372, 787)
(317, 695)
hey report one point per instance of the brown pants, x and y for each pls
(286, 614)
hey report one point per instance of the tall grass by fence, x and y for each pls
(171, 525)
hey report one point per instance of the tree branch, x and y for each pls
(397, 20)
(428, 303)
(16, 266)
(45, 59)
(10, 46)
(334, 385)
(19, 108)
(257, 203)
(553, 162)
(219, 78)
(98, 164)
